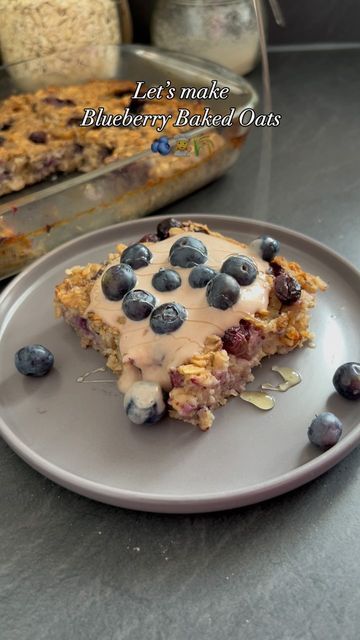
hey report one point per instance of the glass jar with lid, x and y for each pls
(224, 31)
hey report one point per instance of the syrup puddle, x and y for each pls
(84, 377)
(291, 379)
(261, 400)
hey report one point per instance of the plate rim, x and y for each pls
(187, 503)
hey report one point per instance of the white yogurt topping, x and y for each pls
(150, 356)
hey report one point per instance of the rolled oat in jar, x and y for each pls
(70, 37)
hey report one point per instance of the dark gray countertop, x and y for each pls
(286, 569)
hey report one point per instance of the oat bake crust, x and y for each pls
(197, 389)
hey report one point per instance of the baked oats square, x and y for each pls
(184, 315)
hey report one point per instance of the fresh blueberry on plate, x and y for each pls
(187, 252)
(200, 275)
(325, 430)
(117, 281)
(137, 256)
(242, 268)
(138, 304)
(346, 380)
(34, 360)
(166, 280)
(167, 317)
(222, 292)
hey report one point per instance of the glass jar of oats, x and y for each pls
(58, 30)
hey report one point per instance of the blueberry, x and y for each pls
(34, 360)
(242, 268)
(2, 140)
(117, 281)
(269, 248)
(75, 121)
(166, 280)
(164, 227)
(200, 276)
(137, 256)
(155, 146)
(138, 304)
(167, 317)
(187, 252)
(164, 148)
(222, 292)
(38, 137)
(144, 403)
(346, 380)
(287, 288)
(325, 430)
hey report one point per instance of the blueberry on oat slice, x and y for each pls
(167, 317)
(34, 360)
(287, 288)
(138, 304)
(164, 227)
(242, 268)
(137, 256)
(166, 280)
(222, 292)
(187, 252)
(117, 281)
(200, 275)
(267, 246)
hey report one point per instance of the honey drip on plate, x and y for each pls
(291, 379)
(258, 398)
(84, 377)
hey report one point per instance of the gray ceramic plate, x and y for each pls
(78, 435)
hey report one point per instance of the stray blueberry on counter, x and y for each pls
(242, 268)
(144, 403)
(137, 256)
(34, 360)
(222, 292)
(161, 145)
(117, 281)
(200, 275)
(138, 304)
(268, 247)
(167, 317)
(346, 380)
(164, 227)
(325, 430)
(187, 252)
(166, 280)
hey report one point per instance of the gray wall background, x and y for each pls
(308, 21)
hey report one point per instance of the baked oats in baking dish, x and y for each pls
(184, 315)
(40, 134)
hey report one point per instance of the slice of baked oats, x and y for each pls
(187, 313)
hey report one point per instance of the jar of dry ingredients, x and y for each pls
(57, 31)
(224, 31)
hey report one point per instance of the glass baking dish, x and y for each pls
(38, 218)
